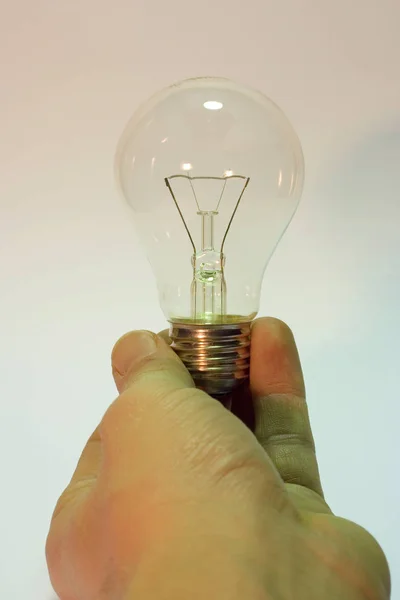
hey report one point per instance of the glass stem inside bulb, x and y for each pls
(208, 286)
(207, 230)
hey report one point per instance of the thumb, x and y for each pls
(158, 413)
(161, 425)
(145, 351)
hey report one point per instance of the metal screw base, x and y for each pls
(217, 356)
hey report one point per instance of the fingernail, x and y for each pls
(132, 347)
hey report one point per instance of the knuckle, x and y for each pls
(152, 370)
(74, 494)
(157, 383)
(221, 449)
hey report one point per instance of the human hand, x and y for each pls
(175, 498)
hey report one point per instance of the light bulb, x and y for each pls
(214, 172)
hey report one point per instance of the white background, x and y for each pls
(73, 277)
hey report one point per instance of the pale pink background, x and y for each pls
(73, 277)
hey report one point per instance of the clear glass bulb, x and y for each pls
(214, 172)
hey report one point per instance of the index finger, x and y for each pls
(282, 424)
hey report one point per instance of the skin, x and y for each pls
(174, 497)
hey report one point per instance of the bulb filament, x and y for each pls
(208, 288)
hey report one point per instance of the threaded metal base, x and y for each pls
(217, 356)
